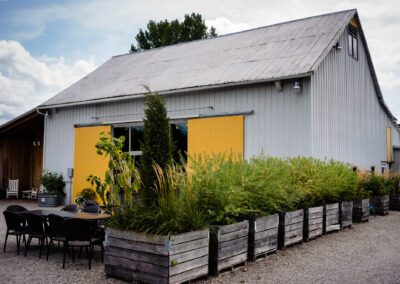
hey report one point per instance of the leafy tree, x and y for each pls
(157, 146)
(165, 33)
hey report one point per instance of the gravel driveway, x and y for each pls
(366, 253)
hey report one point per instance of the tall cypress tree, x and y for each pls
(157, 146)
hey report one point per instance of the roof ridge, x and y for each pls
(234, 33)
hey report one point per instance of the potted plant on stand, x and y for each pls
(53, 189)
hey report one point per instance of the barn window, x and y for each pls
(134, 136)
(352, 41)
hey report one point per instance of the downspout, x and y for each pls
(44, 132)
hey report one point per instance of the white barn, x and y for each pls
(305, 87)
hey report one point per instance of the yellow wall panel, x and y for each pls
(216, 135)
(388, 144)
(86, 159)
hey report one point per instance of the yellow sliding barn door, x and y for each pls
(216, 135)
(388, 144)
(86, 159)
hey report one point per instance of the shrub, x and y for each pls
(375, 186)
(157, 146)
(360, 191)
(53, 183)
(85, 194)
(396, 184)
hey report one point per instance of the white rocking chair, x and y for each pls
(12, 188)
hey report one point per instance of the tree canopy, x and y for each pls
(165, 33)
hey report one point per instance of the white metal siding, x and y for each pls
(348, 123)
(280, 125)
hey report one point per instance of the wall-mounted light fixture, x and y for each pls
(337, 46)
(36, 143)
(296, 87)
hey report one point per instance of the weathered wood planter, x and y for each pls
(361, 210)
(228, 247)
(331, 217)
(394, 201)
(263, 236)
(313, 222)
(346, 214)
(291, 228)
(144, 258)
(381, 204)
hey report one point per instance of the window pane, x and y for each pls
(179, 136)
(123, 131)
(136, 137)
(355, 48)
(350, 41)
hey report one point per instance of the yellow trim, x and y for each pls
(388, 144)
(354, 22)
(216, 135)
(86, 159)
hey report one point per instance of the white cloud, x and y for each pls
(26, 81)
(225, 26)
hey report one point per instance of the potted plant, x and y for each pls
(379, 194)
(394, 198)
(361, 198)
(53, 192)
(85, 194)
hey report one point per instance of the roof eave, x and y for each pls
(175, 91)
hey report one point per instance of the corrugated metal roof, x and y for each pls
(266, 53)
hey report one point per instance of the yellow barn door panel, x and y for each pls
(388, 144)
(216, 135)
(86, 159)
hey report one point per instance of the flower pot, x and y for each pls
(394, 201)
(132, 256)
(263, 236)
(228, 247)
(48, 200)
(346, 214)
(313, 222)
(381, 204)
(361, 210)
(291, 228)
(331, 217)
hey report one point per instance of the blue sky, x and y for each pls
(45, 46)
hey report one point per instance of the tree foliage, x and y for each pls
(157, 146)
(165, 33)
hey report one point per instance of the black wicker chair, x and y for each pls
(92, 209)
(70, 208)
(16, 208)
(56, 230)
(37, 228)
(15, 226)
(79, 233)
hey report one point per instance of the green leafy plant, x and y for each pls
(122, 179)
(85, 194)
(376, 186)
(53, 183)
(396, 184)
(360, 191)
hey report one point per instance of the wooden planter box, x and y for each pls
(263, 236)
(144, 258)
(394, 201)
(346, 214)
(331, 217)
(228, 247)
(291, 228)
(313, 222)
(361, 210)
(381, 204)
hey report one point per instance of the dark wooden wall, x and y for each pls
(19, 158)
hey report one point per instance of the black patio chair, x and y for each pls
(37, 228)
(56, 230)
(79, 233)
(16, 208)
(92, 209)
(15, 226)
(70, 208)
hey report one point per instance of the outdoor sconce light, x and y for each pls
(36, 143)
(337, 46)
(297, 87)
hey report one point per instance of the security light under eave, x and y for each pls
(337, 46)
(297, 87)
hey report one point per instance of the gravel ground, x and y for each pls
(366, 253)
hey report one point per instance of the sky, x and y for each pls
(45, 46)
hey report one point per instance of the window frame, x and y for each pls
(352, 38)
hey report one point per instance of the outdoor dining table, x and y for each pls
(67, 214)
